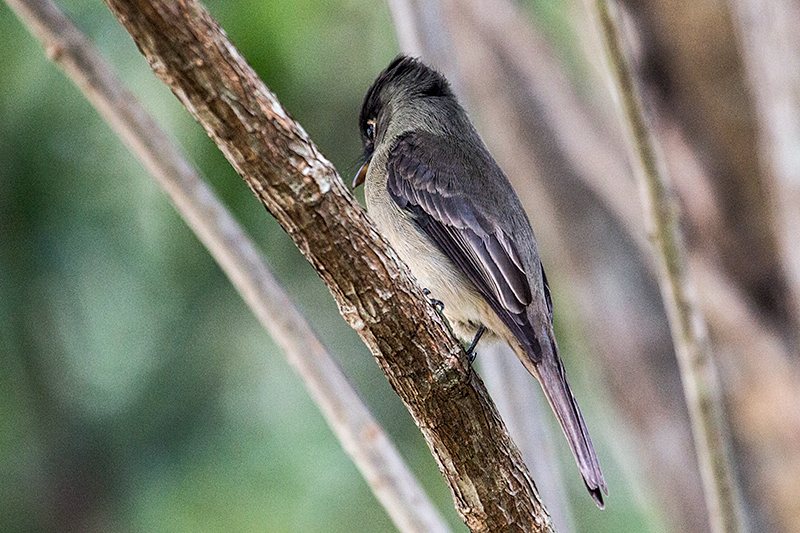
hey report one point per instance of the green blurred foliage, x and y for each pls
(137, 391)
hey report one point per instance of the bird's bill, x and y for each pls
(361, 175)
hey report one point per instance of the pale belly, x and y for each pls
(465, 309)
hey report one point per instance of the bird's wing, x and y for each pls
(422, 173)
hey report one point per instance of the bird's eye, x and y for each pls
(370, 131)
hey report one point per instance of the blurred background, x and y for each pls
(139, 393)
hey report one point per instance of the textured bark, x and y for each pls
(189, 52)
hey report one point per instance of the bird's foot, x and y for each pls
(471, 353)
(437, 304)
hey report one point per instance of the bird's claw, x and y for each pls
(471, 353)
(437, 304)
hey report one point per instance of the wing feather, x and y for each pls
(421, 171)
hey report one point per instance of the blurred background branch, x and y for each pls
(695, 360)
(770, 44)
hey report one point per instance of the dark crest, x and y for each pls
(408, 74)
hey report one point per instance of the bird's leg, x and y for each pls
(438, 304)
(471, 350)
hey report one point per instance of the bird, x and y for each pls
(448, 210)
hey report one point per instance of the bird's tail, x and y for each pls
(549, 371)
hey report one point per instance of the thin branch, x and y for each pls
(404, 18)
(767, 419)
(424, 364)
(698, 370)
(419, 30)
(362, 437)
(692, 73)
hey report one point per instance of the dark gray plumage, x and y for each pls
(446, 207)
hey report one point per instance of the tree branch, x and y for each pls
(698, 370)
(424, 364)
(361, 436)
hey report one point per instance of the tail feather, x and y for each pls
(556, 388)
(548, 369)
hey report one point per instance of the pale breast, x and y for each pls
(464, 307)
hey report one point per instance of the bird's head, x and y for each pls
(397, 97)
